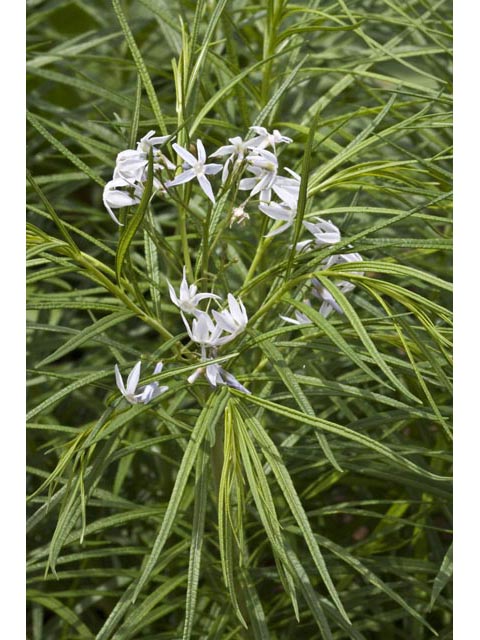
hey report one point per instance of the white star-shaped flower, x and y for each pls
(282, 212)
(232, 320)
(150, 140)
(132, 164)
(329, 303)
(203, 330)
(143, 394)
(236, 150)
(266, 139)
(198, 169)
(119, 193)
(287, 189)
(216, 375)
(300, 318)
(264, 165)
(188, 298)
(343, 258)
(324, 232)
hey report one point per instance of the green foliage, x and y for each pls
(319, 505)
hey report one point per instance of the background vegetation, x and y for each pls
(319, 506)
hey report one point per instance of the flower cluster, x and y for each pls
(276, 196)
(210, 333)
(127, 185)
(324, 233)
(257, 155)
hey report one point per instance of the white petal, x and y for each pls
(200, 328)
(289, 320)
(202, 156)
(246, 184)
(156, 390)
(226, 169)
(223, 151)
(158, 368)
(133, 378)
(212, 168)
(112, 215)
(276, 211)
(281, 229)
(146, 395)
(234, 306)
(187, 326)
(300, 246)
(225, 321)
(184, 290)
(287, 194)
(213, 374)
(203, 296)
(186, 176)
(206, 187)
(184, 154)
(234, 383)
(262, 184)
(260, 130)
(118, 199)
(119, 380)
(265, 196)
(191, 379)
(173, 295)
(295, 175)
(325, 309)
(256, 143)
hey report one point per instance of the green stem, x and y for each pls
(184, 242)
(267, 51)
(264, 244)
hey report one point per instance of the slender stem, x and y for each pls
(205, 241)
(184, 241)
(264, 244)
(267, 51)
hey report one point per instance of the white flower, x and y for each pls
(324, 232)
(265, 138)
(264, 166)
(132, 164)
(287, 189)
(232, 320)
(203, 330)
(188, 297)
(343, 258)
(279, 212)
(198, 169)
(144, 394)
(150, 140)
(119, 193)
(236, 150)
(320, 292)
(300, 318)
(216, 374)
(329, 303)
